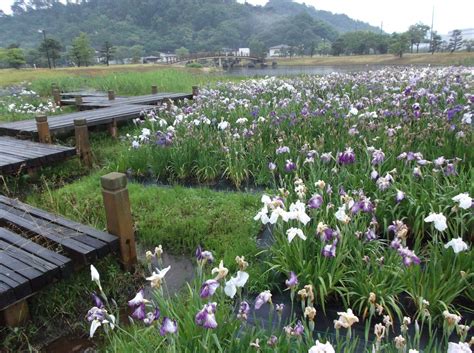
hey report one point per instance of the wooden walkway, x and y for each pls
(98, 101)
(18, 155)
(38, 248)
(60, 124)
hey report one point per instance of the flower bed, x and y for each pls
(371, 209)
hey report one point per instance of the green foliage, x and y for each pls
(12, 57)
(455, 41)
(51, 50)
(167, 25)
(81, 51)
(359, 43)
(399, 44)
(182, 52)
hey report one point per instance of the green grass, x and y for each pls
(129, 83)
(178, 218)
(60, 308)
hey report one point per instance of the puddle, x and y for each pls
(68, 344)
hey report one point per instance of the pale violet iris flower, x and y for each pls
(298, 212)
(461, 347)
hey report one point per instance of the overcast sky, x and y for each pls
(396, 15)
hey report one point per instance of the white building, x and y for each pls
(278, 50)
(243, 52)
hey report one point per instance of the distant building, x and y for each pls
(278, 50)
(243, 52)
(167, 57)
(151, 59)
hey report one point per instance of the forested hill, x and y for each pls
(164, 25)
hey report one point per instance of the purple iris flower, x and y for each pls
(97, 301)
(329, 250)
(370, 234)
(346, 157)
(202, 255)
(272, 341)
(400, 196)
(206, 317)
(168, 326)
(151, 317)
(315, 202)
(377, 157)
(209, 288)
(96, 313)
(290, 165)
(409, 257)
(450, 169)
(283, 149)
(292, 281)
(298, 329)
(139, 312)
(244, 310)
(396, 243)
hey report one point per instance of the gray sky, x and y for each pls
(396, 15)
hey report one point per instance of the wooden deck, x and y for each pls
(98, 101)
(60, 124)
(17, 155)
(38, 248)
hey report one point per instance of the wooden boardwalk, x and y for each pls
(98, 101)
(38, 248)
(60, 124)
(18, 155)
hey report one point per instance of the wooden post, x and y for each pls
(119, 215)
(78, 100)
(16, 314)
(111, 95)
(154, 89)
(83, 146)
(112, 127)
(42, 125)
(57, 97)
(195, 91)
(169, 104)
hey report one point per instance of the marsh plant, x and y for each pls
(215, 313)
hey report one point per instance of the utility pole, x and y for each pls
(46, 47)
(431, 31)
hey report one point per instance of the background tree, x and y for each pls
(455, 42)
(436, 42)
(399, 44)
(15, 58)
(417, 34)
(52, 48)
(257, 48)
(34, 58)
(107, 52)
(81, 51)
(469, 44)
(136, 52)
(182, 52)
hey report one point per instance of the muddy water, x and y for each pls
(70, 344)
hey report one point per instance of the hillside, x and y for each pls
(164, 25)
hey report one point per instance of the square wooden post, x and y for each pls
(119, 216)
(79, 101)
(57, 97)
(154, 89)
(195, 91)
(44, 136)
(15, 315)
(112, 128)
(111, 95)
(83, 146)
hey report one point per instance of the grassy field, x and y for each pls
(124, 79)
(461, 58)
